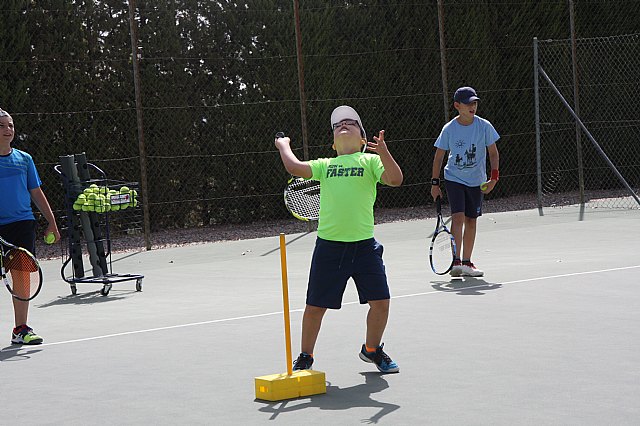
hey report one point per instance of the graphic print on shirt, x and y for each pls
(468, 157)
(338, 170)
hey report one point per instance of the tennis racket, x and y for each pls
(443, 247)
(20, 270)
(302, 196)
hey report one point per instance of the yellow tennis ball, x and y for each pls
(50, 238)
(483, 187)
(77, 206)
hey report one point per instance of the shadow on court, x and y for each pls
(468, 286)
(288, 243)
(17, 353)
(90, 298)
(337, 399)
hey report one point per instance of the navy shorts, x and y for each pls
(20, 234)
(334, 262)
(463, 198)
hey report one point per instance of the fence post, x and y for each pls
(141, 147)
(443, 61)
(576, 106)
(536, 97)
(303, 99)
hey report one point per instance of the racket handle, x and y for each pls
(279, 135)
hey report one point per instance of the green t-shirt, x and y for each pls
(347, 194)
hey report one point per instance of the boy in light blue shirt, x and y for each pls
(467, 138)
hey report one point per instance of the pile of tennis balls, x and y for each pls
(98, 199)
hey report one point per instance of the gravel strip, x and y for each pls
(184, 237)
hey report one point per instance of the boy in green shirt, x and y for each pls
(345, 246)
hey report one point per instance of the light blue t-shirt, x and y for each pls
(467, 146)
(18, 176)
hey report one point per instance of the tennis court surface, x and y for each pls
(550, 335)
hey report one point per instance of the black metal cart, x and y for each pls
(89, 203)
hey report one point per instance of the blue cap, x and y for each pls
(465, 95)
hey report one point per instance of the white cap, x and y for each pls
(345, 112)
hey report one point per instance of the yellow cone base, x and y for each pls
(276, 387)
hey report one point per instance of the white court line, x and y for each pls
(573, 274)
(149, 330)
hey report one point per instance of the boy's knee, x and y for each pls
(379, 305)
(314, 310)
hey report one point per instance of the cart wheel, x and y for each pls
(74, 289)
(105, 290)
(139, 284)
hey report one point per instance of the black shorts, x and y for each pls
(20, 234)
(463, 198)
(334, 262)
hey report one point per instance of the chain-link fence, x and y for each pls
(606, 73)
(219, 78)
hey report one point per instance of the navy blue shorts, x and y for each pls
(20, 234)
(334, 262)
(463, 198)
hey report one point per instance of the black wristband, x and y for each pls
(435, 182)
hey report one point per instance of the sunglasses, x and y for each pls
(348, 122)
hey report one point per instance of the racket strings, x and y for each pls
(22, 273)
(302, 198)
(442, 252)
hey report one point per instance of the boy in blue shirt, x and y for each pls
(19, 186)
(467, 138)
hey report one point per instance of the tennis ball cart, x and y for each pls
(94, 207)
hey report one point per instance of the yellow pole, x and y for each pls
(285, 302)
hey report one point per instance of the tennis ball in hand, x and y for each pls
(483, 187)
(50, 238)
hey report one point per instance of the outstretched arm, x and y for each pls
(290, 161)
(392, 175)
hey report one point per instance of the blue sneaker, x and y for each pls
(304, 362)
(380, 359)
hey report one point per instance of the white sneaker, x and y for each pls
(468, 269)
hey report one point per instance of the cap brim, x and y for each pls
(469, 100)
(344, 113)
